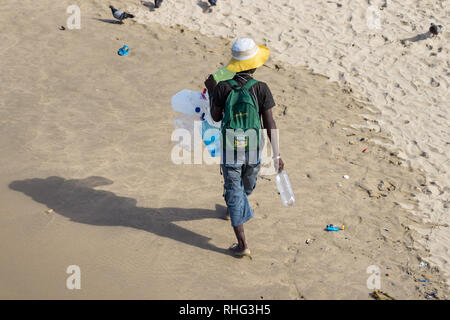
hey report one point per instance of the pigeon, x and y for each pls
(158, 3)
(212, 2)
(434, 29)
(120, 15)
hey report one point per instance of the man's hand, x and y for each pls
(210, 84)
(279, 164)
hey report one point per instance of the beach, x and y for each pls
(382, 49)
(87, 177)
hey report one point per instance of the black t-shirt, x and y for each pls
(260, 90)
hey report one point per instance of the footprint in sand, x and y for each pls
(352, 220)
(5, 49)
(37, 222)
(434, 83)
(245, 20)
(226, 9)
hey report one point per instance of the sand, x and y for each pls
(381, 48)
(87, 178)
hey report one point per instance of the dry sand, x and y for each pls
(380, 47)
(86, 133)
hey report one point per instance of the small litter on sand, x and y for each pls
(331, 227)
(432, 295)
(123, 51)
(49, 211)
(346, 177)
(380, 295)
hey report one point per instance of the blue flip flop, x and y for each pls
(123, 51)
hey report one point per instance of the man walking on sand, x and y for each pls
(241, 103)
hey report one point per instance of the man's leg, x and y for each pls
(240, 236)
(237, 203)
(249, 177)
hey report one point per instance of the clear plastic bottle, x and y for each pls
(285, 189)
(186, 122)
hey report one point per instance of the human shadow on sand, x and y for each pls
(78, 200)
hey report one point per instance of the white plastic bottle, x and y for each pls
(187, 122)
(190, 102)
(285, 189)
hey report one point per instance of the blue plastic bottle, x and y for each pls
(211, 138)
(331, 227)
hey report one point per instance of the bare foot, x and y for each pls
(238, 252)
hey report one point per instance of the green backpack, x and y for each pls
(241, 125)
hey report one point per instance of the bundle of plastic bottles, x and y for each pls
(194, 106)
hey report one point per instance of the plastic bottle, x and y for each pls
(223, 74)
(285, 189)
(210, 134)
(332, 227)
(190, 102)
(210, 129)
(211, 138)
(187, 122)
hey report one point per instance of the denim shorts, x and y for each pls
(239, 183)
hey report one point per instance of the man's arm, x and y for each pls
(210, 84)
(216, 113)
(272, 133)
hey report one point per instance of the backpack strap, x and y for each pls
(233, 84)
(250, 83)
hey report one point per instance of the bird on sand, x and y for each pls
(120, 15)
(435, 29)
